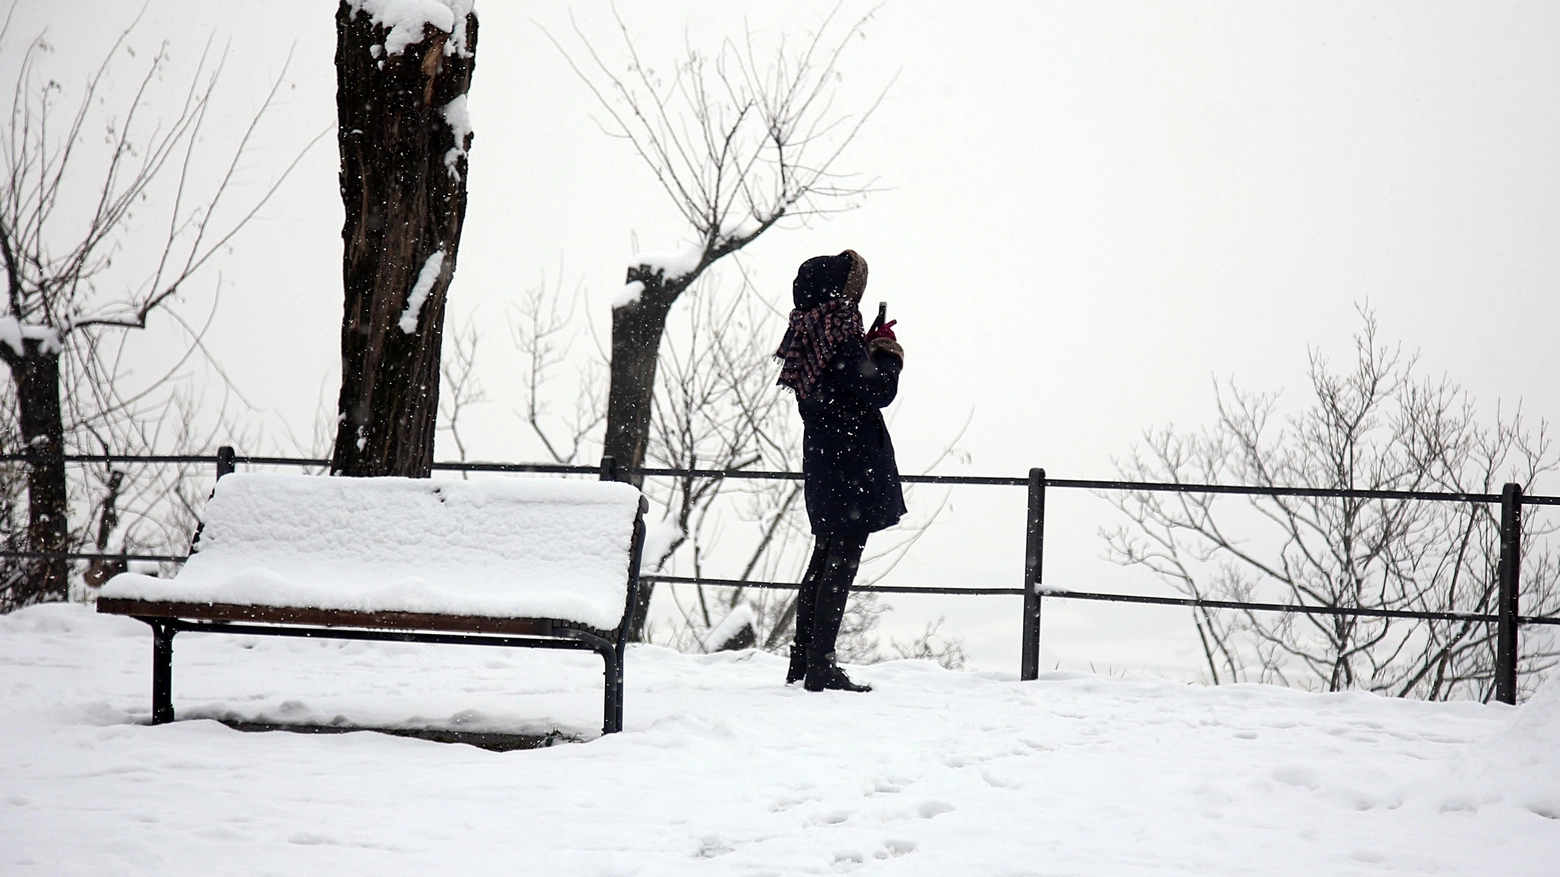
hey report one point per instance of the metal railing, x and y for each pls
(1507, 617)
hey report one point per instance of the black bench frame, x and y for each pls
(169, 618)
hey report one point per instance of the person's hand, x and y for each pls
(884, 331)
(882, 340)
(886, 345)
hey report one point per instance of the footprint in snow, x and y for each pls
(1001, 779)
(711, 846)
(929, 809)
(1295, 775)
(848, 860)
(894, 848)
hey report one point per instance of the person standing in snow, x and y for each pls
(842, 376)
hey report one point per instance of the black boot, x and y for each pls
(824, 674)
(842, 553)
(806, 605)
(798, 663)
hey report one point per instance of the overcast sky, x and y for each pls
(1088, 212)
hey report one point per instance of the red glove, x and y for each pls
(884, 331)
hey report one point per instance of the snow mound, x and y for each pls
(549, 548)
(741, 618)
(1530, 740)
(1524, 760)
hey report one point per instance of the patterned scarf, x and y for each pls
(810, 342)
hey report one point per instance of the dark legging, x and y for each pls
(820, 602)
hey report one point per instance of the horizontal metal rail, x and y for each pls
(791, 586)
(958, 591)
(1248, 490)
(1292, 608)
(762, 475)
(84, 555)
(114, 458)
(1289, 608)
(573, 640)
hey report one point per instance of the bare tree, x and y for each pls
(717, 407)
(739, 139)
(146, 508)
(462, 389)
(930, 645)
(544, 332)
(1375, 427)
(403, 131)
(68, 210)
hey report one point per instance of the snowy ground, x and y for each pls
(723, 770)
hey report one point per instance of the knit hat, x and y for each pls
(819, 279)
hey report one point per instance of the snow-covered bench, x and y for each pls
(543, 563)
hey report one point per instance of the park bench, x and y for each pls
(538, 563)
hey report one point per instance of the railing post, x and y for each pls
(1510, 573)
(609, 469)
(225, 455)
(1034, 554)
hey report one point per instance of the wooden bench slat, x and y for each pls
(339, 618)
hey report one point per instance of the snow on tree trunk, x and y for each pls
(402, 73)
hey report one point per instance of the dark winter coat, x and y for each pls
(852, 480)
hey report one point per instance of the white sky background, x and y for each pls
(1090, 212)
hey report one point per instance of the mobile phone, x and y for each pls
(882, 316)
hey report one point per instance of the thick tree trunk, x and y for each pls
(403, 138)
(37, 376)
(636, 345)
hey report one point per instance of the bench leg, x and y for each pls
(162, 672)
(612, 709)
